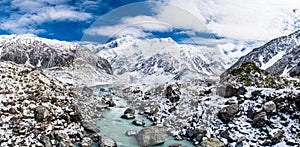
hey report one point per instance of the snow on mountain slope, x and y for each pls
(280, 56)
(60, 58)
(273, 60)
(160, 60)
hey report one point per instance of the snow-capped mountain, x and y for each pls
(160, 60)
(63, 59)
(280, 56)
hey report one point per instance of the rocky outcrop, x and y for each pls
(248, 74)
(152, 135)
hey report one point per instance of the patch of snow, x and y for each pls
(277, 57)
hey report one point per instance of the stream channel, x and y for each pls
(113, 126)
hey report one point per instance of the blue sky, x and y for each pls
(58, 19)
(235, 26)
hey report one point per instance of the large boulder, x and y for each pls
(227, 113)
(226, 91)
(45, 140)
(152, 135)
(173, 93)
(86, 142)
(42, 114)
(276, 135)
(260, 120)
(212, 142)
(76, 114)
(128, 114)
(62, 139)
(107, 142)
(90, 127)
(270, 106)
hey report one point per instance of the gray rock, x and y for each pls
(86, 142)
(76, 114)
(90, 127)
(260, 119)
(276, 135)
(41, 114)
(107, 142)
(138, 122)
(229, 135)
(226, 114)
(175, 145)
(128, 116)
(45, 140)
(270, 107)
(110, 103)
(212, 142)
(59, 136)
(131, 133)
(63, 139)
(226, 91)
(66, 117)
(173, 93)
(152, 135)
(129, 111)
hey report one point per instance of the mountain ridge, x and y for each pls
(160, 58)
(279, 56)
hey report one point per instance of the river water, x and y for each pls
(113, 126)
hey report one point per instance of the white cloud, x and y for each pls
(30, 14)
(147, 23)
(135, 26)
(117, 31)
(166, 19)
(244, 20)
(180, 18)
(234, 19)
(65, 14)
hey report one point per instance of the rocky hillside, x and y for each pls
(280, 56)
(38, 110)
(68, 59)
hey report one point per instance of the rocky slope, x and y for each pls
(280, 56)
(44, 101)
(37, 109)
(65, 58)
(160, 60)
